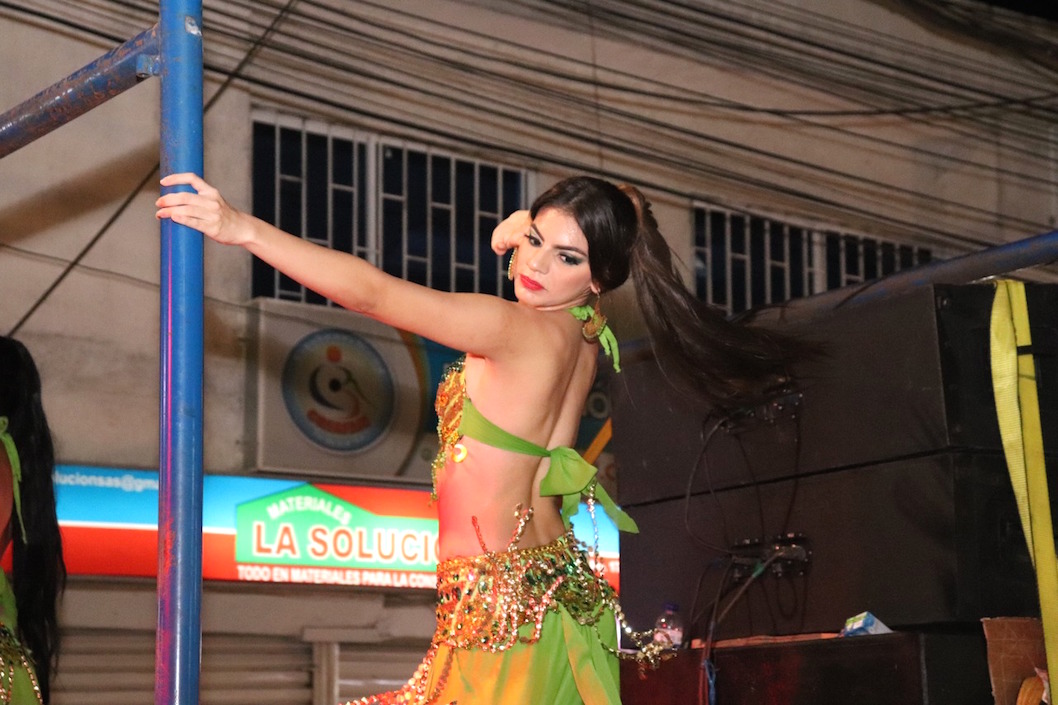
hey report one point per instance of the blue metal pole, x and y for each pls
(91, 86)
(179, 637)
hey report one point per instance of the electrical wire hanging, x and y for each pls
(339, 55)
(76, 260)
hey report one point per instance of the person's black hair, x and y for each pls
(606, 217)
(726, 363)
(38, 570)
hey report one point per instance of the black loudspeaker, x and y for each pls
(901, 377)
(923, 541)
(879, 479)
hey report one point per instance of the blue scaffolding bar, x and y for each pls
(173, 49)
(994, 261)
(179, 636)
(108, 76)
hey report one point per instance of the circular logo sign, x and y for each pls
(338, 390)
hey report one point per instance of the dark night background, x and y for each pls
(1047, 9)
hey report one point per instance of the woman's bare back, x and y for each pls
(540, 401)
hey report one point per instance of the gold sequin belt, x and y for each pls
(12, 659)
(482, 601)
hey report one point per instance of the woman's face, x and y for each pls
(551, 270)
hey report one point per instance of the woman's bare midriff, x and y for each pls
(494, 486)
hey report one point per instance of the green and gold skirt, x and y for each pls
(530, 625)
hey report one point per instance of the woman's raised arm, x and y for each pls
(475, 323)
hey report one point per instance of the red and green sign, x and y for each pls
(267, 530)
(307, 535)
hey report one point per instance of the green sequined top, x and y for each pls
(18, 680)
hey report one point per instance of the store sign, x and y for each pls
(267, 530)
(307, 535)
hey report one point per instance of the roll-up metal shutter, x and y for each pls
(370, 669)
(99, 667)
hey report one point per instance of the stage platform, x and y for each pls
(901, 668)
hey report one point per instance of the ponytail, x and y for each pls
(725, 363)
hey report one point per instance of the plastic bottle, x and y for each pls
(669, 626)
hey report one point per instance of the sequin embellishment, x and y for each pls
(12, 658)
(449, 408)
(483, 601)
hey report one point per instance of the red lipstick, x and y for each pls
(530, 284)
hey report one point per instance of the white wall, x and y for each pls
(95, 338)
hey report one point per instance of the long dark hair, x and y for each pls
(725, 363)
(39, 573)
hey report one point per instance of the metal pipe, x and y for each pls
(179, 635)
(109, 75)
(994, 261)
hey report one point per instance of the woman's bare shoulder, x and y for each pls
(536, 390)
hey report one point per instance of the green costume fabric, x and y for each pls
(8, 444)
(566, 666)
(525, 625)
(17, 679)
(605, 334)
(518, 627)
(569, 475)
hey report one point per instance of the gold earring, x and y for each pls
(510, 265)
(595, 323)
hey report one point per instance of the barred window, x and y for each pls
(743, 260)
(417, 213)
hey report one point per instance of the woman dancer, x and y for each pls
(522, 617)
(29, 633)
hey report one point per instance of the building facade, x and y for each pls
(787, 148)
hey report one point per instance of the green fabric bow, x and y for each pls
(16, 472)
(606, 337)
(570, 475)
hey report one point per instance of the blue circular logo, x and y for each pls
(338, 390)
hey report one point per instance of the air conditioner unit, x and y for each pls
(334, 393)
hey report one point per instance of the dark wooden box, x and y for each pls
(902, 668)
